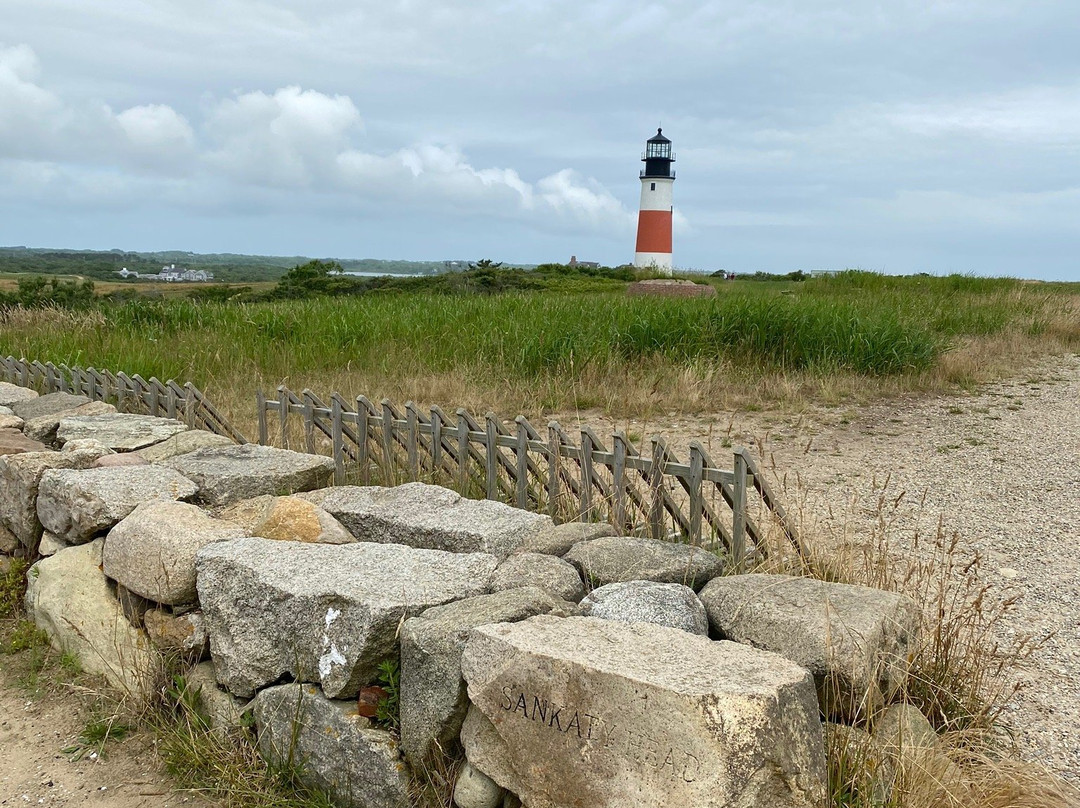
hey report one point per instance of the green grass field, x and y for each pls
(549, 350)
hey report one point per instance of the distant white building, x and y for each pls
(170, 273)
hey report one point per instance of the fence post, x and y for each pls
(283, 415)
(413, 447)
(155, 404)
(697, 466)
(388, 442)
(191, 404)
(121, 393)
(463, 452)
(554, 462)
(436, 442)
(656, 489)
(260, 414)
(586, 476)
(170, 403)
(492, 464)
(522, 451)
(309, 422)
(338, 442)
(738, 511)
(362, 449)
(618, 475)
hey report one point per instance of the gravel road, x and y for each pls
(1001, 466)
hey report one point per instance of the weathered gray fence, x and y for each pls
(652, 493)
(128, 393)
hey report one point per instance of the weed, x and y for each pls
(389, 679)
(13, 587)
(23, 636)
(224, 766)
(69, 663)
(97, 732)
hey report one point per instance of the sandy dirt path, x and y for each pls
(1000, 466)
(34, 770)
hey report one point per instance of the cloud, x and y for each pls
(156, 133)
(289, 138)
(271, 143)
(29, 113)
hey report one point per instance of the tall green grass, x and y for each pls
(521, 333)
(854, 323)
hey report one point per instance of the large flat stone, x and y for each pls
(13, 441)
(671, 605)
(43, 427)
(854, 639)
(320, 612)
(227, 474)
(20, 478)
(78, 505)
(184, 443)
(151, 551)
(433, 700)
(431, 517)
(588, 712)
(121, 432)
(334, 748)
(69, 597)
(11, 394)
(625, 558)
(37, 406)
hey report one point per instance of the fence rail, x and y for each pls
(650, 493)
(185, 402)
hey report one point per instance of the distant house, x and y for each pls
(585, 264)
(170, 274)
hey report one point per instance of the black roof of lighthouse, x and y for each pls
(658, 137)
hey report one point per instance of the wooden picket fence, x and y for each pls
(653, 493)
(135, 394)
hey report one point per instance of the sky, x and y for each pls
(933, 136)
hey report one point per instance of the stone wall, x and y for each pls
(570, 666)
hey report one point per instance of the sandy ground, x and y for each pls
(34, 770)
(1000, 466)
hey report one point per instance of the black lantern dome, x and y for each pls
(658, 156)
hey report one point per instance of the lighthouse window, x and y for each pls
(652, 186)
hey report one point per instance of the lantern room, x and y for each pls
(658, 157)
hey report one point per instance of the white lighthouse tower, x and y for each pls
(654, 214)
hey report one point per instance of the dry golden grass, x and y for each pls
(962, 671)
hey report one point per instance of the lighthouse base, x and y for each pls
(661, 262)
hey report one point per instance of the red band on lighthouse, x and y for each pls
(654, 231)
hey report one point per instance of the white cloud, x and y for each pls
(28, 112)
(156, 132)
(587, 202)
(256, 142)
(290, 138)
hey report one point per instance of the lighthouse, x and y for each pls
(654, 214)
